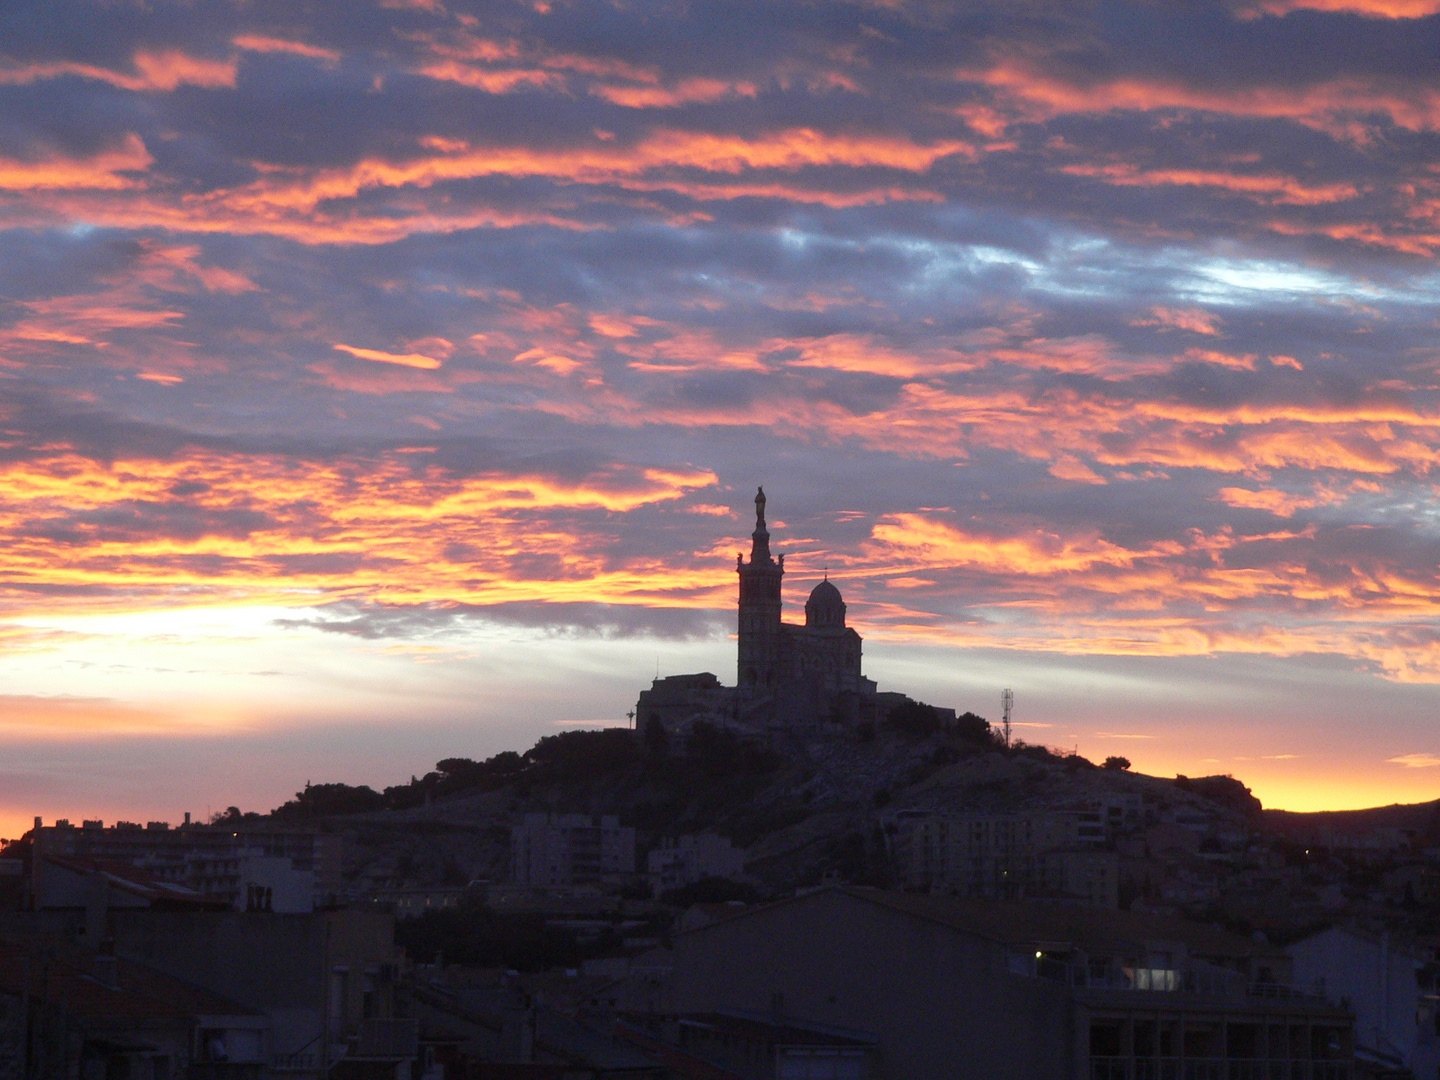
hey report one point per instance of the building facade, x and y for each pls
(1397, 1025)
(299, 867)
(554, 851)
(1015, 991)
(685, 860)
(325, 980)
(1008, 856)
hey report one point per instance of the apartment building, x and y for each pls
(549, 851)
(1016, 990)
(299, 867)
(1006, 856)
(684, 860)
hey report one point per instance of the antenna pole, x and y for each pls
(1007, 703)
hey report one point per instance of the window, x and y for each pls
(1156, 979)
(339, 984)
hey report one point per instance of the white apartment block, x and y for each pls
(688, 859)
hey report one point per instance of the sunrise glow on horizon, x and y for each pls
(388, 382)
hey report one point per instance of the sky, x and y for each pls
(390, 380)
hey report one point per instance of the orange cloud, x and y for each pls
(169, 267)
(1279, 503)
(1191, 319)
(862, 353)
(491, 81)
(262, 44)
(99, 172)
(153, 71)
(787, 150)
(311, 206)
(916, 542)
(399, 529)
(685, 92)
(1273, 189)
(382, 380)
(1416, 761)
(794, 148)
(1210, 356)
(247, 213)
(62, 718)
(925, 419)
(1035, 95)
(78, 311)
(1089, 354)
(1412, 243)
(554, 361)
(676, 349)
(613, 326)
(1385, 9)
(1069, 468)
(836, 200)
(268, 529)
(85, 318)
(413, 360)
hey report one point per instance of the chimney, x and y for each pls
(187, 817)
(38, 824)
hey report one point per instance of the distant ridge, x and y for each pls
(1423, 817)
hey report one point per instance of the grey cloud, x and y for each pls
(421, 622)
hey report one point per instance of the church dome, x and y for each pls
(825, 607)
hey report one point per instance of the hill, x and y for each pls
(806, 804)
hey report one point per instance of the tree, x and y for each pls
(972, 728)
(582, 755)
(322, 800)
(1120, 763)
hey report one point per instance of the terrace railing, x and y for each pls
(1201, 980)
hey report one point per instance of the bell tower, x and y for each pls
(759, 605)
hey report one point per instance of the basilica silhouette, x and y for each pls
(786, 675)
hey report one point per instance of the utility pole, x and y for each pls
(1007, 703)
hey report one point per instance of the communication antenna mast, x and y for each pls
(1007, 702)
